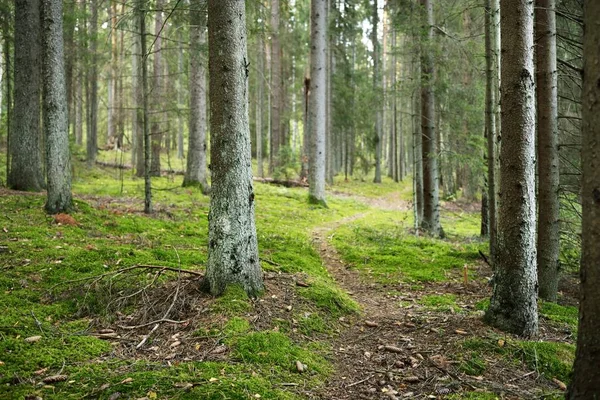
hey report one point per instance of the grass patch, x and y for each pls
(380, 246)
(442, 302)
(551, 359)
(568, 315)
(473, 396)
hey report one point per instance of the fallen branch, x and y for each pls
(359, 382)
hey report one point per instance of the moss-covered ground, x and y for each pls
(67, 302)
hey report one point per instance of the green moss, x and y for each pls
(276, 349)
(482, 305)
(311, 323)
(329, 298)
(554, 360)
(442, 302)
(472, 364)
(233, 301)
(380, 246)
(562, 314)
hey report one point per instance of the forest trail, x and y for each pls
(399, 348)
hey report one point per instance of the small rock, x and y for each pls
(301, 367)
(411, 379)
(371, 324)
(114, 396)
(33, 339)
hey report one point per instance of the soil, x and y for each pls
(395, 349)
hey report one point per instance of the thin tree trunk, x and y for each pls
(180, 97)
(260, 56)
(585, 383)
(431, 211)
(233, 247)
(25, 155)
(276, 88)
(142, 4)
(490, 133)
(306, 133)
(112, 76)
(157, 134)
(56, 122)
(548, 243)
(377, 90)
(92, 131)
(318, 89)
(513, 306)
(195, 174)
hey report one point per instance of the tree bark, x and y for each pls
(431, 202)
(490, 130)
(377, 89)
(92, 131)
(276, 88)
(233, 247)
(25, 171)
(318, 88)
(180, 97)
(548, 243)
(157, 134)
(260, 57)
(513, 306)
(56, 122)
(141, 10)
(585, 383)
(195, 174)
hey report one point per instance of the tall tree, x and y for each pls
(157, 88)
(195, 174)
(92, 131)
(138, 92)
(547, 149)
(513, 306)
(431, 202)
(276, 87)
(232, 246)
(377, 90)
(586, 379)
(141, 16)
(25, 171)
(260, 64)
(490, 128)
(56, 120)
(318, 88)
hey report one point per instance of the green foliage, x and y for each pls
(473, 396)
(329, 297)
(472, 364)
(232, 302)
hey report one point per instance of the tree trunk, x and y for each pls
(417, 154)
(141, 11)
(233, 247)
(25, 155)
(56, 122)
(112, 75)
(513, 306)
(490, 131)
(585, 383)
(548, 243)
(306, 133)
(195, 174)
(377, 90)
(157, 134)
(180, 97)
(318, 87)
(92, 131)
(276, 88)
(260, 57)
(431, 206)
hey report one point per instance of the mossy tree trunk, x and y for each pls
(317, 106)
(548, 243)
(56, 123)
(232, 247)
(25, 172)
(195, 174)
(513, 306)
(585, 383)
(157, 90)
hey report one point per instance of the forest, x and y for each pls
(299, 199)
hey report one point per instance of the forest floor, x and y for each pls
(356, 306)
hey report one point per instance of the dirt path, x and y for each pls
(400, 349)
